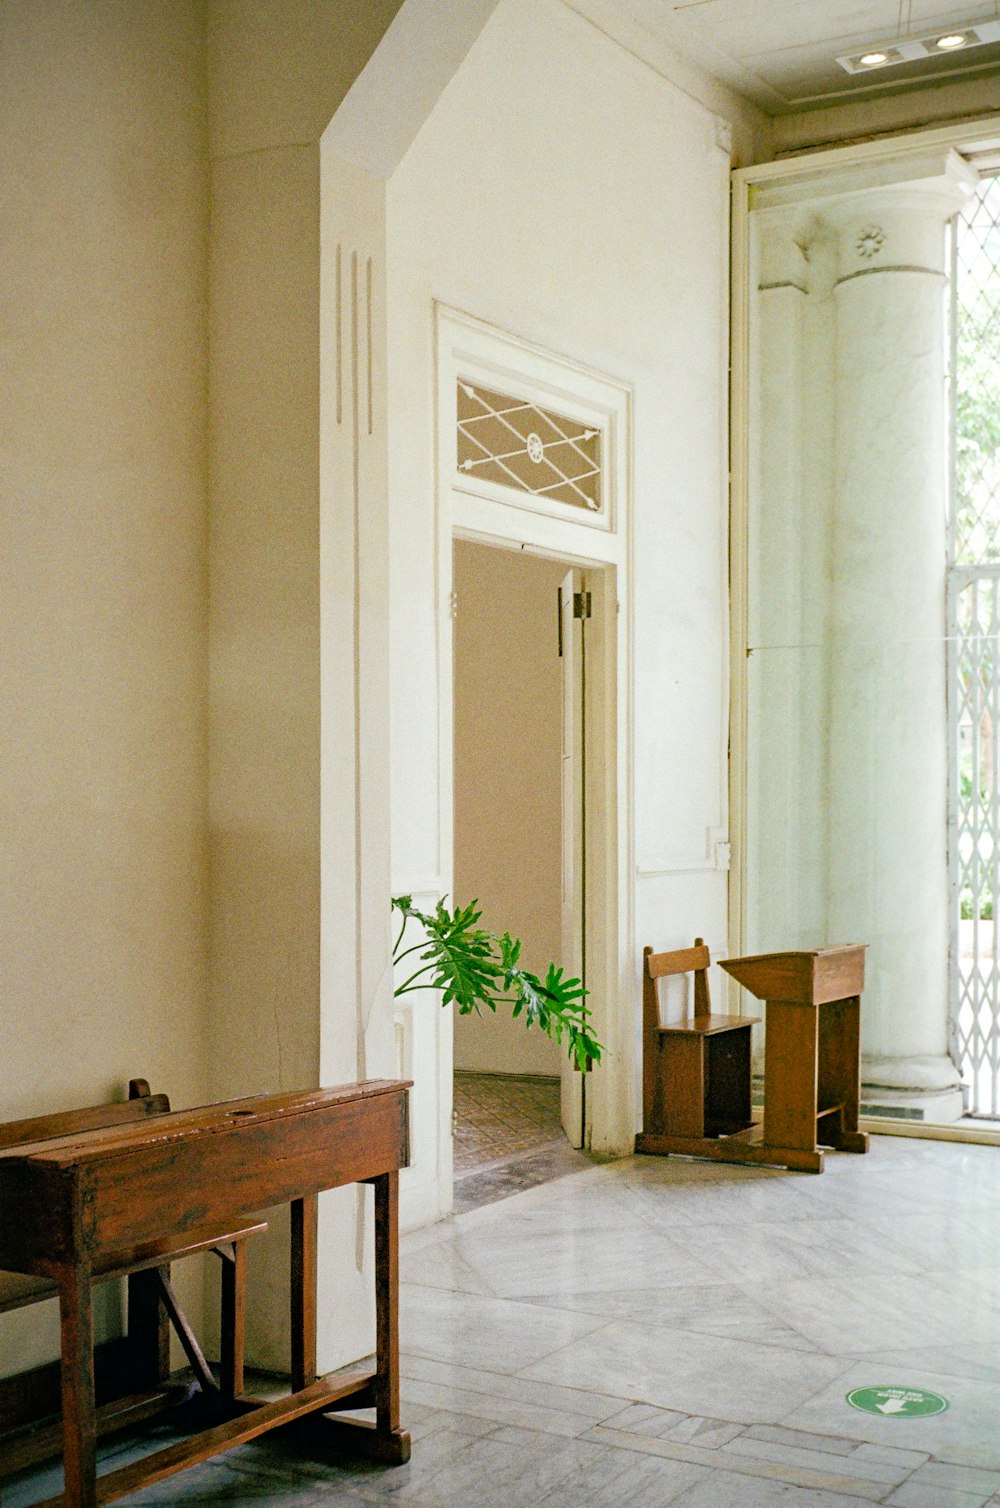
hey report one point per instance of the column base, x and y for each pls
(918, 1089)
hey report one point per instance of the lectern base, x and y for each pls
(736, 1149)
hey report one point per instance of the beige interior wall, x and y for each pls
(278, 69)
(103, 580)
(508, 813)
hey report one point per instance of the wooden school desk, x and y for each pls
(73, 1206)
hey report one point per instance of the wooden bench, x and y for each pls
(695, 1072)
(132, 1373)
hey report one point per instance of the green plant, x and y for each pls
(474, 968)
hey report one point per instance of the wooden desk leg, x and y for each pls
(389, 1443)
(840, 1069)
(77, 1328)
(791, 1085)
(384, 1440)
(387, 1301)
(305, 1225)
(233, 1317)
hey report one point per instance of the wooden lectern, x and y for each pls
(812, 1065)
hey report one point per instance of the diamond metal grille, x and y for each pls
(534, 450)
(977, 378)
(974, 611)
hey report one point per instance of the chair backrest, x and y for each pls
(657, 966)
(94, 1117)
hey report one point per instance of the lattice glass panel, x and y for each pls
(976, 688)
(974, 629)
(977, 378)
(535, 450)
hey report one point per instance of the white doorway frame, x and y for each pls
(606, 552)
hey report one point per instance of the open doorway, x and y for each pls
(519, 826)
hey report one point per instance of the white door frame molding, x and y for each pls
(606, 552)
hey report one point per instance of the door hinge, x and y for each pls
(581, 604)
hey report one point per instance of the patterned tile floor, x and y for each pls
(507, 1137)
(658, 1332)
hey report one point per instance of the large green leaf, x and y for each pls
(473, 968)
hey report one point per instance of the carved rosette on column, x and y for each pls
(879, 265)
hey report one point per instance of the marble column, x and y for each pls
(887, 871)
(790, 505)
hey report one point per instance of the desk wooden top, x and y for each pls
(203, 1120)
(77, 1198)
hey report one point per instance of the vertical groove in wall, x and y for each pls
(356, 488)
(368, 339)
(361, 1048)
(340, 337)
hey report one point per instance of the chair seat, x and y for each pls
(17, 1290)
(706, 1026)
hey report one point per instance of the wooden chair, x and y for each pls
(695, 1072)
(138, 1365)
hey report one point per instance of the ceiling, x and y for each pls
(782, 54)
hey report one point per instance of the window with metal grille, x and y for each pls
(537, 451)
(974, 632)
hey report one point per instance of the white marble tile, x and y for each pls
(746, 1198)
(976, 1362)
(709, 1308)
(893, 1454)
(911, 1495)
(623, 1480)
(888, 1474)
(695, 1374)
(576, 1400)
(515, 1262)
(958, 1478)
(723, 1490)
(495, 1334)
(645, 1419)
(843, 1316)
(966, 1434)
(802, 1440)
(773, 1252)
(507, 1411)
(508, 1467)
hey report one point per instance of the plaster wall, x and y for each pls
(278, 72)
(569, 194)
(508, 792)
(104, 597)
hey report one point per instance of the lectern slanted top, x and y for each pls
(812, 1066)
(811, 977)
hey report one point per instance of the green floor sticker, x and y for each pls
(898, 1403)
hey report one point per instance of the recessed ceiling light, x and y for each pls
(917, 49)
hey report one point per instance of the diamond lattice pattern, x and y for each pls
(975, 629)
(506, 440)
(977, 379)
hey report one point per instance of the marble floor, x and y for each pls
(657, 1331)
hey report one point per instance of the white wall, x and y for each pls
(567, 193)
(103, 595)
(508, 786)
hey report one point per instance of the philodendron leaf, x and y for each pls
(474, 968)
